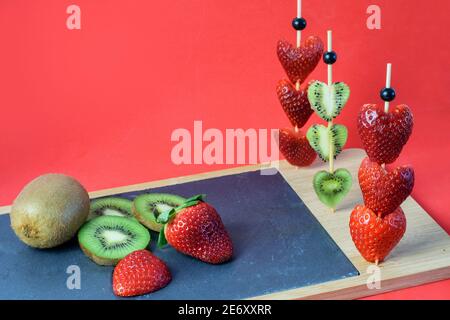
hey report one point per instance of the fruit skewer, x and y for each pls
(299, 24)
(327, 100)
(383, 133)
(298, 61)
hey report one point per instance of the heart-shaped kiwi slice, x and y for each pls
(323, 138)
(331, 188)
(328, 101)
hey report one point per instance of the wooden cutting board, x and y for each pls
(287, 244)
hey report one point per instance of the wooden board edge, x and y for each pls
(173, 181)
(337, 290)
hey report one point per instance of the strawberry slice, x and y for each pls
(196, 229)
(295, 147)
(295, 103)
(384, 191)
(375, 237)
(140, 273)
(298, 63)
(384, 134)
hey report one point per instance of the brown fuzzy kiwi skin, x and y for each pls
(98, 260)
(152, 225)
(49, 210)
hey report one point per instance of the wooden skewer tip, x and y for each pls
(388, 84)
(330, 40)
(388, 75)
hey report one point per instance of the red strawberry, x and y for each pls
(384, 134)
(375, 237)
(300, 62)
(384, 191)
(295, 147)
(196, 229)
(295, 103)
(139, 273)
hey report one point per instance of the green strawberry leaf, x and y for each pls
(165, 216)
(331, 188)
(321, 138)
(199, 197)
(328, 101)
(162, 241)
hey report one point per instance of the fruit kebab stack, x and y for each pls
(377, 226)
(298, 62)
(328, 100)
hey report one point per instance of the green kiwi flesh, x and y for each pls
(147, 207)
(108, 239)
(331, 188)
(328, 101)
(111, 206)
(321, 138)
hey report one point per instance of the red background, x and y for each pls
(100, 103)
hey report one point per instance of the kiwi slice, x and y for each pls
(331, 188)
(321, 138)
(108, 239)
(111, 206)
(328, 101)
(147, 207)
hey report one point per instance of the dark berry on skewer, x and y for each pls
(387, 94)
(329, 57)
(299, 24)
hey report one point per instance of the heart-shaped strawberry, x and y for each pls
(295, 147)
(384, 134)
(384, 191)
(375, 237)
(300, 62)
(295, 103)
(331, 188)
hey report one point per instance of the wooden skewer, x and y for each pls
(388, 84)
(299, 35)
(299, 40)
(330, 83)
(299, 15)
(330, 48)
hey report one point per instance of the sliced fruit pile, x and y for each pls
(298, 63)
(115, 236)
(112, 231)
(327, 101)
(377, 226)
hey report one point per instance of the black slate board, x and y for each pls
(279, 245)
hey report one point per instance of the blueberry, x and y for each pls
(329, 57)
(387, 94)
(299, 24)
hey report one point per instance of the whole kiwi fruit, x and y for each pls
(49, 210)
